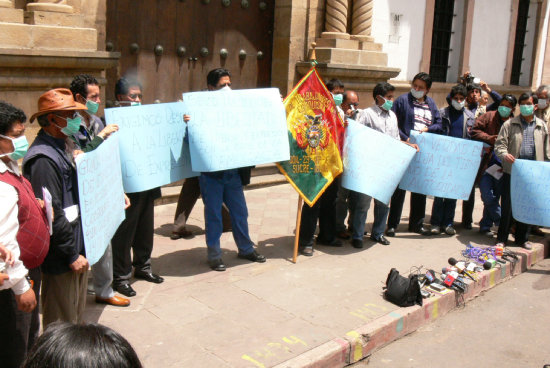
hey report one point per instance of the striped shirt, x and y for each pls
(527, 150)
(422, 115)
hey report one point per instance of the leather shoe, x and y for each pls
(382, 240)
(124, 289)
(180, 234)
(390, 231)
(254, 257)
(307, 251)
(343, 235)
(467, 225)
(357, 243)
(117, 301)
(148, 276)
(217, 265)
(423, 231)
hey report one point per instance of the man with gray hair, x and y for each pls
(543, 107)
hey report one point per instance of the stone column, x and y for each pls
(336, 20)
(59, 6)
(361, 21)
(6, 3)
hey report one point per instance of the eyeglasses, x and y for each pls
(133, 96)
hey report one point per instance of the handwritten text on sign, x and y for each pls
(231, 129)
(373, 162)
(530, 193)
(101, 196)
(152, 147)
(445, 167)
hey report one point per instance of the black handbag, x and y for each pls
(402, 291)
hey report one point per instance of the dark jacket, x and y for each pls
(486, 129)
(87, 139)
(404, 110)
(467, 125)
(46, 165)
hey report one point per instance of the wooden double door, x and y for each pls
(171, 45)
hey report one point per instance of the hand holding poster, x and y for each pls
(153, 151)
(232, 129)
(529, 192)
(373, 161)
(445, 167)
(101, 196)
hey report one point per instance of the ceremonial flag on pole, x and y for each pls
(315, 132)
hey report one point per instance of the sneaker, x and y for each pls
(436, 230)
(487, 233)
(527, 245)
(449, 230)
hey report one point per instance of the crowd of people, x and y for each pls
(468, 115)
(38, 261)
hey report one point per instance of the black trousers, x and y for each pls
(135, 234)
(417, 209)
(18, 330)
(468, 207)
(323, 210)
(522, 230)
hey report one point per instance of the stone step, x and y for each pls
(9, 15)
(353, 57)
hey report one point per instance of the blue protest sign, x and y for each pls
(232, 129)
(101, 196)
(373, 161)
(445, 167)
(153, 151)
(529, 192)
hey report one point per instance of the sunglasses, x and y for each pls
(133, 96)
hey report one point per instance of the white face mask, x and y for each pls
(225, 88)
(417, 94)
(543, 103)
(457, 105)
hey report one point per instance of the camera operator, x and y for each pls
(474, 87)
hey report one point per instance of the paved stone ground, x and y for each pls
(259, 315)
(506, 327)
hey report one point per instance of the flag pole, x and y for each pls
(298, 222)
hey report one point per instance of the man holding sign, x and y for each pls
(379, 117)
(220, 187)
(414, 111)
(524, 137)
(136, 231)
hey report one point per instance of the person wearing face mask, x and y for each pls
(414, 111)
(524, 137)
(91, 134)
(49, 164)
(24, 242)
(543, 106)
(337, 89)
(135, 233)
(379, 117)
(486, 129)
(457, 122)
(225, 187)
(92, 131)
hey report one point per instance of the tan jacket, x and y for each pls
(510, 137)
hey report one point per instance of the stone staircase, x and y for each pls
(262, 176)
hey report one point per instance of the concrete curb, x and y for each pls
(365, 340)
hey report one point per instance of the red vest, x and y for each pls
(33, 235)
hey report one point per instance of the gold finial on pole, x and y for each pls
(313, 57)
